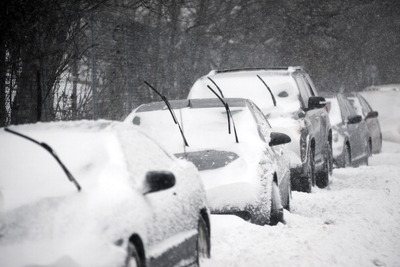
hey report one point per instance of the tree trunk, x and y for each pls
(3, 110)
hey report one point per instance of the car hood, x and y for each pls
(231, 178)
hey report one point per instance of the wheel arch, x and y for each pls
(138, 243)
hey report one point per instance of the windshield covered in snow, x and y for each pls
(204, 127)
(248, 85)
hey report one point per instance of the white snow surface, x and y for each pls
(354, 222)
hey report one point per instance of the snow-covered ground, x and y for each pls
(354, 222)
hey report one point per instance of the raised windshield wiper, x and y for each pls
(219, 89)
(51, 151)
(228, 113)
(170, 110)
(269, 89)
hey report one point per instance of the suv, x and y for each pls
(288, 98)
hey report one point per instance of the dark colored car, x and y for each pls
(370, 116)
(288, 98)
(245, 173)
(349, 133)
(129, 204)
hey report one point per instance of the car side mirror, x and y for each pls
(315, 102)
(354, 119)
(372, 114)
(279, 139)
(158, 180)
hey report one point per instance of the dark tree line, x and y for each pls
(86, 59)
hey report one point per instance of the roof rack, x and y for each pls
(290, 68)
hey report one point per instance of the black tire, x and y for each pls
(133, 258)
(322, 176)
(287, 204)
(347, 157)
(203, 241)
(276, 214)
(307, 182)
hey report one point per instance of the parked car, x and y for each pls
(288, 98)
(129, 204)
(349, 133)
(370, 116)
(245, 174)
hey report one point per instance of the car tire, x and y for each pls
(133, 258)
(308, 181)
(203, 241)
(322, 176)
(347, 156)
(287, 204)
(276, 214)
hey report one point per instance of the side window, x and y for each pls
(309, 85)
(264, 128)
(304, 91)
(350, 109)
(365, 106)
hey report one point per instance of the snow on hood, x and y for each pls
(43, 211)
(246, 84)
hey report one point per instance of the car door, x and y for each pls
(372, 124)
(357, 131)
(276, 153)
(173, 219)
(313, 118)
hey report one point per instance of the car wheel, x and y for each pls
(133, 259)
(276, 214)
(322, 176)
(203, 241)
(287, 204)
(308, 181)
(347, 156)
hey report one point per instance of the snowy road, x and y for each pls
(354, 222)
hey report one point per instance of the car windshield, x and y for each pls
(283, 87)
(204, 128)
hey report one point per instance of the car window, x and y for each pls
(365, 106)
(304, 91)
(348, 107)
(264, 128)
(310, 85)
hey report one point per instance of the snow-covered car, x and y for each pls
(116, 198)
(245, 174)
(350, 136)
(288, 98)
(370, 116)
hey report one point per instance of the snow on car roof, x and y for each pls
(246, 84)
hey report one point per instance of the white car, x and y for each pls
(247, 174)
(115, 198)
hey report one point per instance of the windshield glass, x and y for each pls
(204, 128)
(248, 85)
